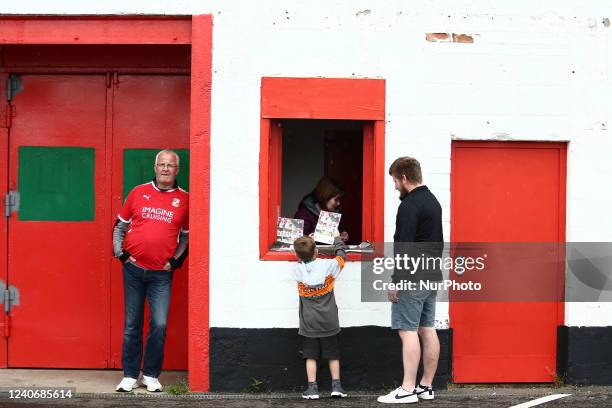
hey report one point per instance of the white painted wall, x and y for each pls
(537, 71)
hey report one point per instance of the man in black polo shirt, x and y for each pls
(419, 220)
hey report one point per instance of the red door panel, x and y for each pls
(506, 192)
(59, 267)
(150, 112)
(3, 222)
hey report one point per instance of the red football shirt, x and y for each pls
(156, 218)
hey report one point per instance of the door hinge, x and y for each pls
(13, 86)
(11, 203)
(9, 297)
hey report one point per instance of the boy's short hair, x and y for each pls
(407, 166)
(304, 248)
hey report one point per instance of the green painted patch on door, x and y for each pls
(138, 168)
(56, 183)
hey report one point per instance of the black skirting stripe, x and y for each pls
(370, 359)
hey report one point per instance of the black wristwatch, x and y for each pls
(125, 255)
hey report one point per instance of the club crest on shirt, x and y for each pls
(176, 202)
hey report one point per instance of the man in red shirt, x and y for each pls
(150, 239)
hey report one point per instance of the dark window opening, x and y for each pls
(312, 149)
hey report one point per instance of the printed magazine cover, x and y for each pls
(327, 227)
(289, 230)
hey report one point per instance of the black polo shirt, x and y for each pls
(419, 219)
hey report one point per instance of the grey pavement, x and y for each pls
(95, 389)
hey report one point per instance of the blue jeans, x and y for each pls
(138, 284)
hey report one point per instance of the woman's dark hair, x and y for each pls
(326, 189)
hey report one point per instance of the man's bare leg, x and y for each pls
(431, 354)
(411, 354)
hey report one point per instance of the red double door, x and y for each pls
(508, 192)
(71, 144)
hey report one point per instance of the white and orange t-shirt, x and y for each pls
(156, 217)
(318, 310)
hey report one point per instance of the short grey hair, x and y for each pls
(168, 151)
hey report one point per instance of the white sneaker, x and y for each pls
(425, 392)
(399, 396)
(127, 384)
(151, 383)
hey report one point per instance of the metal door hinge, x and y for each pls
(11, 203)
(9, 298)
(13, 86)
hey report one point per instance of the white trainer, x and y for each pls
(399, 396)
(425, 392)
(152, 384)
(127, 384)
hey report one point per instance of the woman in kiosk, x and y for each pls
(325, 196)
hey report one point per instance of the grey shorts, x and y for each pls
(415, 308)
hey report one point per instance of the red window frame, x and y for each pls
(320, 98)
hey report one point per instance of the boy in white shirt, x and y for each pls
(319, 325)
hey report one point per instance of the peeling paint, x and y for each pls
(502, 136)
(437, 37)
(463, 38)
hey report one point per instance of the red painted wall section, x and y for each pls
(3, 222)
(323, 98)
(199, 211)
(95, 30)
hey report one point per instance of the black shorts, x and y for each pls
(321, 347)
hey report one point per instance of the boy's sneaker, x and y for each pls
(399, 396)
(152, 384)
(312, 391)
(424, 392)
(127, 384)
(337, 390)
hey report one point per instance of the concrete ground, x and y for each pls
(84, 381)
(92, 388)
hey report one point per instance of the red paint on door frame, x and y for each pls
(95, 30)
(320, 98)
(199, 204)
(4, 154)
(197, 31)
